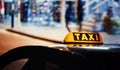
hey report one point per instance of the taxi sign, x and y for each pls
(83, 38)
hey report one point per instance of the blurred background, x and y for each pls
(52, 12)
(46, 19)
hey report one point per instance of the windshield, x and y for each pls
(46, 22)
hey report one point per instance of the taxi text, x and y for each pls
(86, 36)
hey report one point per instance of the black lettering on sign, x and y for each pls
(86, 37)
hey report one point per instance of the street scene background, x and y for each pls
(51, 13)
(47, 20)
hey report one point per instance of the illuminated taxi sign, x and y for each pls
(83, 38)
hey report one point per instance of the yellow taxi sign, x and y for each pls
(83, 38)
